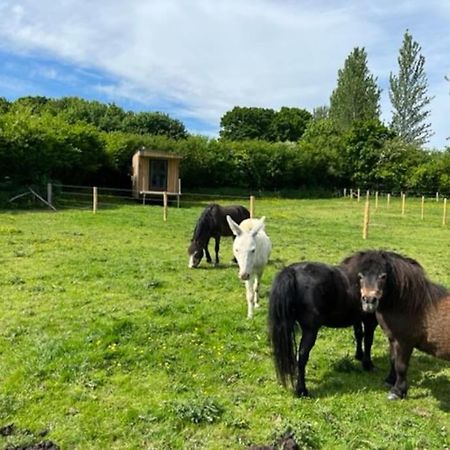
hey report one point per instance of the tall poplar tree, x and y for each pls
(408, 95)
(357, 96)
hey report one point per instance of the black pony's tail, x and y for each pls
(283, 298)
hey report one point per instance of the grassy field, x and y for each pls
(109, 341)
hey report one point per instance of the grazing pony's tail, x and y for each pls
(282, 324)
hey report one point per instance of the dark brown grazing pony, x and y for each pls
(413, 311)
(212, 223)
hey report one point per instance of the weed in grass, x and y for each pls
(16, 281)
(345, 365)
(198, 410)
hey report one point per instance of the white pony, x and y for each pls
(251, 249)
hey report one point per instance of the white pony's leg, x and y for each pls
(256, 290)
(250, 298)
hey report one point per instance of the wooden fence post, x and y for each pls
(366, 220)
(252, 206)
(359, 194)
(376, 200)
(179, 192)
(351, 194)
(367, 195)
(165, 203)
(422, 207)
(403, 203)
(388, 200)
(444, 215)
(94, 199)
(49, 193)
(437, 196)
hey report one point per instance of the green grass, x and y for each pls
(109, 341)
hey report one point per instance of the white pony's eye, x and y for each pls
(253, 251)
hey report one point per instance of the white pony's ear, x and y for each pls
(235, 228)
(259, 226)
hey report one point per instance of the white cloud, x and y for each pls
(203, 57)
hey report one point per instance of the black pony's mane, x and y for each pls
(407, 283)
(205, 222)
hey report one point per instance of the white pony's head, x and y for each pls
(245, 244)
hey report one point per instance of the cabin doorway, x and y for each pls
(158, 175)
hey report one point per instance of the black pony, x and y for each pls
(212, 223)
(413, 311)
(313, 295)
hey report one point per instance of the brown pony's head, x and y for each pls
(372, 275)
(368, 272)
(389, 280)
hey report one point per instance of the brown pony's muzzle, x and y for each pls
(369, 303)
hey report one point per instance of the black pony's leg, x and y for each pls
(370, 323)
(306, 344)
(402, 355)
(208, 256)
(216, 248)
(358, 331)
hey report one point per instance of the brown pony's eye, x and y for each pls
(360, 276)
(382, 276)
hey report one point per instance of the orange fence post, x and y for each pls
(366, 220)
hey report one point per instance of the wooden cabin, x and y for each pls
(155, 172)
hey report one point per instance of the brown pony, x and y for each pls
(413, 311)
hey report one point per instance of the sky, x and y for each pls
(197, 59)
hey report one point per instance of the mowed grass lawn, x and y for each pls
(109, 341)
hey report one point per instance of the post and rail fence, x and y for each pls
(94, 198)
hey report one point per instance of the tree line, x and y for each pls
(343, 144)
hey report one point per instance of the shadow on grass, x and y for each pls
(345, 375)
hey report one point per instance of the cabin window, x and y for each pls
(158, 174)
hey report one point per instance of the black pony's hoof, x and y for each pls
(368, 366)
(302, 393)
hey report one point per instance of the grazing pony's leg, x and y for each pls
(216, 248)
(402, 354)
(208, 256)
(234, 257)
(307, 342)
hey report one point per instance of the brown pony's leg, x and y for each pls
(306, 344)
(391, 377)
(402, 354)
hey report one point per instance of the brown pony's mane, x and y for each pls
(407, 283)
